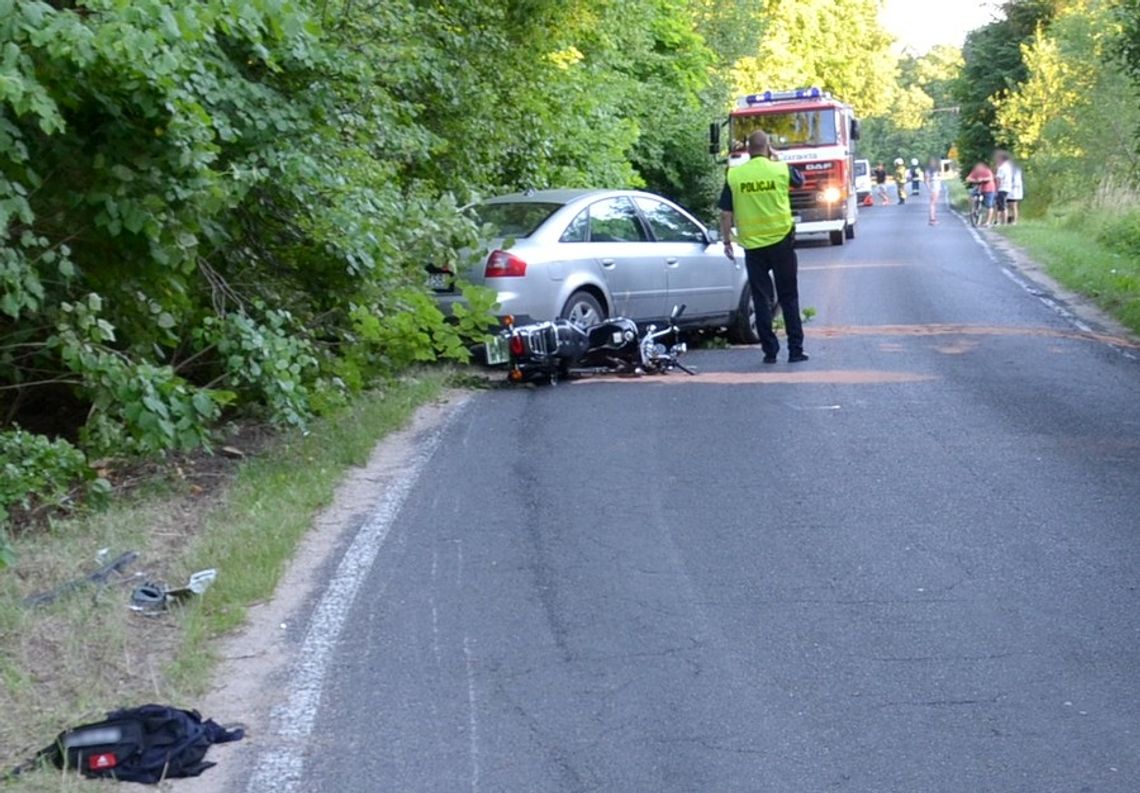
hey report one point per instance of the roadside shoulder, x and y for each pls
(1081, 305)
(245, 514)
(251, 681)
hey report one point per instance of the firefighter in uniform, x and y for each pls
(900, 179)
(756, 198)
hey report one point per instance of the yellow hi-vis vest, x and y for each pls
(761, 205)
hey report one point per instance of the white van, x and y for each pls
(862, 179)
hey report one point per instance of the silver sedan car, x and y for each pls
(589, 254)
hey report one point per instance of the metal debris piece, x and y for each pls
(154, 598)
(98, 578)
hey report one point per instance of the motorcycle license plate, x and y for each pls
(440, 282)
(498, 351)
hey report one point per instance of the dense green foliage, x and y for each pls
(1066, 102)
(1074, 117)
(993, 64)
(922, 121)
(228, 205)
(1127, 44)
(193, 205)
(838, 45)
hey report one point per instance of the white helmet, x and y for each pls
(914, 161)
(898, 160)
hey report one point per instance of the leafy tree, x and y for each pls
(923, 121)
(839, 45)
(1074, 117)
(992, 65)
(1127, 45)
(225, 205)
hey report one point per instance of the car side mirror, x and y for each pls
(712, 235)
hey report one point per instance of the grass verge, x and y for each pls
(959, 194)
(68, 662)
(1092, 257)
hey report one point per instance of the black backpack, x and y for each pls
(147, 744)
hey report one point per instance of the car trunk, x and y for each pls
(472, 268)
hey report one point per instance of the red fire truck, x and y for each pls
(816, 133)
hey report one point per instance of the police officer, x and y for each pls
(756, 199)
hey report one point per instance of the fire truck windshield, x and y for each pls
(789, 130)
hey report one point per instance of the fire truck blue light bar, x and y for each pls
(780, 96)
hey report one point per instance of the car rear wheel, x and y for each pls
(837, 237)
(743, 330)
(583, 309)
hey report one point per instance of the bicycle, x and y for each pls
(977, 207)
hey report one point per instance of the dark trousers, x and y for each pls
(777, 260)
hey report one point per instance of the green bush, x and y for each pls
(1121, 234)
(269, 361)
(136, 406)
(40, 472)
(415, 329)
(230, 205)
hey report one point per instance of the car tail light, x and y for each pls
(517, 348)
(501, 264)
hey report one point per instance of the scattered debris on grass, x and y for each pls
(98, 578)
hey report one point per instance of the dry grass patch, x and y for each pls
(71, 661)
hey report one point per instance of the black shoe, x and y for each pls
(769, 359)
(797, 357)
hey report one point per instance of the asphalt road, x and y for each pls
(908, 565)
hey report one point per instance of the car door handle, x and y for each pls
(608, 263)
(671, 261)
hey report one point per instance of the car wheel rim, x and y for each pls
(752, 318)
(583, 314)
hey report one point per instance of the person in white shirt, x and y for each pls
(1016, 192)
(934, 185)
(1004, 183)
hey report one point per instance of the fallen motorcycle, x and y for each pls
(562, 349)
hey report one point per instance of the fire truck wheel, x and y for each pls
(837, 237)
(743, 330)
(849, 232)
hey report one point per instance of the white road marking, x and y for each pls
(472, 718)
(436, 650)
(279, 767)
(1028, 287)
(435, 645)
(1057, 308)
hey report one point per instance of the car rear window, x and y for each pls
(514, 219)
